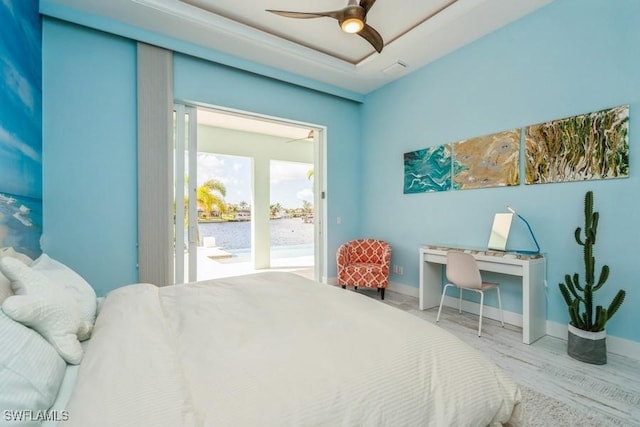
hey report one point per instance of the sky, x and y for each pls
(20, 98)
(289, 183)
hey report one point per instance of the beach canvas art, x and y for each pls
(20, 126)
(578, 148)
(428, 170)
(487, 161)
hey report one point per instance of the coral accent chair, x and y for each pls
(364, 262)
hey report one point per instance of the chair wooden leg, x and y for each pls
(378, 290)
(381, 292)
(344, 286)
(355, 287)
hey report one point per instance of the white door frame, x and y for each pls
(319, 182)
(320, 204)
(185, 165)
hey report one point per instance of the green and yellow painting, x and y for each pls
(487, 161)
(579, 148)
(428, 170)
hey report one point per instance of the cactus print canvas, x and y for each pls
(428, 170)
(578, 148)
(487, 161)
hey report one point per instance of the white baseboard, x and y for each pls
(403, 289)
(557, 330)
(615, 345)
(468, 306)
(393, 287)
(488, 312)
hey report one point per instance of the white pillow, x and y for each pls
(11, 252)
(5, 288)
(31, 371)
(41, 305)
(5, 284)
(68, 279)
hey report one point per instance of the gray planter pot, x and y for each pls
(588, 347)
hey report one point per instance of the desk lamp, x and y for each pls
(537, 251)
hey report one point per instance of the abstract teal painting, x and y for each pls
(21, 126)
(585, 147)
(487, 161)
(428, 170)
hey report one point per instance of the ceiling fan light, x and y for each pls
(352, 25)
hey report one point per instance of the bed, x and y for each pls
(268, 349)
(276, 349)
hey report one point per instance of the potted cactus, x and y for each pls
(587, 335)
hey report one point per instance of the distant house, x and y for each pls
(243, 214)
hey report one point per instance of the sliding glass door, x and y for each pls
(226, 167)
(185, 200)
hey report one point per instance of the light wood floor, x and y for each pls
(612, 390)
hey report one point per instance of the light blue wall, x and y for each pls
(90, 153)
(571, 57)
(90, 134)
(54, 9)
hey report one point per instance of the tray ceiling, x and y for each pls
(415, 32)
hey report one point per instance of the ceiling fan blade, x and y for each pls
(306, 15)
(366, 5)
(372, 36)
(306, 138)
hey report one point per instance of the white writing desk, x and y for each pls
(531, 268)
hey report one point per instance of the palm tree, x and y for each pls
(211, 194)
(307, 206)
(275, 209)
(232, 209)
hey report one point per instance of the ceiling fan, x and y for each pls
(352, 19)
(309, 137)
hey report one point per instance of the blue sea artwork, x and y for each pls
(428, 170)
(21, 223)
(20, 125)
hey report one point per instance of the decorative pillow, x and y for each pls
(11, 252)
(30, 369)
(41, 305)
(68, 279)
(5, 288)
(5, 284)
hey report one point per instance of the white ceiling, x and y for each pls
(245, 123)
(416, 32)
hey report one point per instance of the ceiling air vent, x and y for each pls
(395, 68)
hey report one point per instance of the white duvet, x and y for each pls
(274, 349)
